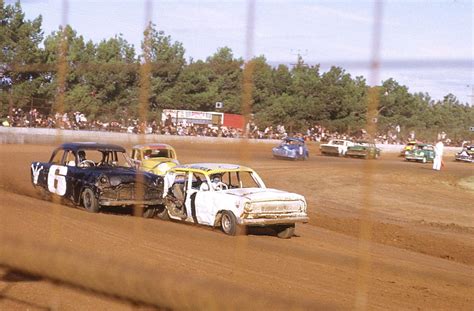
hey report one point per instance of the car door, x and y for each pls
(57, 174)
(74, 176)
(198, 200)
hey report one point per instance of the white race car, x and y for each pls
(336, 147)
(231, 197)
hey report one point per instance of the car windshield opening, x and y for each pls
(89, 158)
(157, 153)
(241, 180)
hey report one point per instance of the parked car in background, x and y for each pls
(154, 158)
(421, 153)
(409, 146)
(363, 149)
(336, 147)
(466, 154)
(291, 148)
(231, 197)
(95, 175)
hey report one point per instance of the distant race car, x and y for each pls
(154, 158)
(409, 146)
(336, 147)
(421, 153)
(230, 197)
(95, 175)
(291, 148)
(466, 154)
(363, 149)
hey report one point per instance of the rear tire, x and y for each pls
(149, 212)
(162, 213)
(229, 224)
(285, 231)
(89, 201)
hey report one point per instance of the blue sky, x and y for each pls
(426, 45)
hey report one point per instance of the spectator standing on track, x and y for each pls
(437, 162)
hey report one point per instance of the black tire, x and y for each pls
(149, 212)
(285, 231)
(89, 201)
(162, 213)
(229, 224)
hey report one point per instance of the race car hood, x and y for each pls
(122, 175)
(264, 194)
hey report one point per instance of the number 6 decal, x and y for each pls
(57, 179)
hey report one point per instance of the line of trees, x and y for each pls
(103, 80)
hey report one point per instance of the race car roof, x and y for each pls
(91, 146)
(153, 146)
(211, 168)
(294, 139)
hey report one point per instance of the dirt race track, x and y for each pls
(384, 235)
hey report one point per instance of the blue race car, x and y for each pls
(292, 149)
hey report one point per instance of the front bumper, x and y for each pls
(465, 159)
(287, 156)
(272, 221)
(109, 202)
(331, 151)
(357, 154)
(129, 195)
(414, 158)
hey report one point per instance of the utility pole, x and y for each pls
(298, 54)
(472, 94)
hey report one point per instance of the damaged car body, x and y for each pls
(154, 158)
(95, 175)
(466, 154)
(292, 149)
(231, 197)
(336, 147)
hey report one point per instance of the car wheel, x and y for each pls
(285, 231)
(149, 212)
(229, 224)
(162, 213)
(44, 194)
(89, 201)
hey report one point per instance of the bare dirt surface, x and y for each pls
(384, 234)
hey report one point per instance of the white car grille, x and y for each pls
(277, 207)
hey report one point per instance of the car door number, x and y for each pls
(57, 179)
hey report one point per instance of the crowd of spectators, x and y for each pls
(78, 121)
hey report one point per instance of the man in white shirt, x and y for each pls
(439, 148)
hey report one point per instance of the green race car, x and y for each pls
(363, 149)
(420, 153)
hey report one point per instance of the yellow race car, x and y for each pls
(411, 145)
(154, 158)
